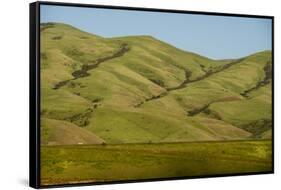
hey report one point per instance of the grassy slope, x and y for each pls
(103, 102)
(220, 95)
(253, 113)
(56, 132)
(61, 164)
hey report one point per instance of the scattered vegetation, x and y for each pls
(61, 164)
(139, 89)
(149, 82)
(57, 37)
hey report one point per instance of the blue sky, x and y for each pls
(216, 37)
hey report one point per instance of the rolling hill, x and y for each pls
(138, 89)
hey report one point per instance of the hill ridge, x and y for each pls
(87, 81)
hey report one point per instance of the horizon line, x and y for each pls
(163, 41)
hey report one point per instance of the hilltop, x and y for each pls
(138, 89)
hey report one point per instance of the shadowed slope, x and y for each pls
(139, 89)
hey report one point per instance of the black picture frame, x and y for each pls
(34, 89)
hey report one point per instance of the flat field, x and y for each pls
(136, 107)
(98, 163)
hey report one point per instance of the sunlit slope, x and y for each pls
(65, 49)
(55, 132)
(139, 89)
(239, 95)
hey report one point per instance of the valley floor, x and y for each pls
(67, 164)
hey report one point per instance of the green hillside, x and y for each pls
(138, 89)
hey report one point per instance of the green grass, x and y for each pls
(184, 109)
(103, 103)
(57, 132)
(97, 163)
